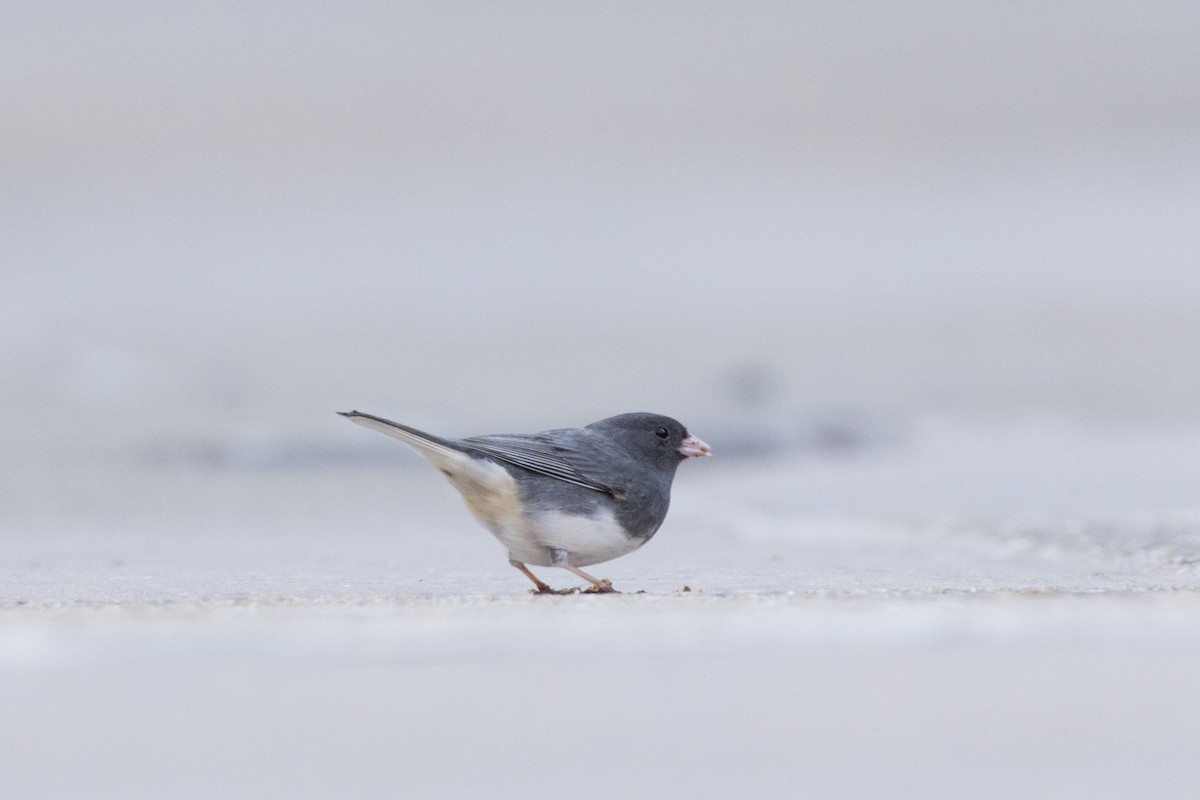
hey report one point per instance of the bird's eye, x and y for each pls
(662, 433)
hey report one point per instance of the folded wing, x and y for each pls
(536, 453)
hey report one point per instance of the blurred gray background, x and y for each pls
(222, 221)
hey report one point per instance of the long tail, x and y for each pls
(426, 444)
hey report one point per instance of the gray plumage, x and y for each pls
(568, 497)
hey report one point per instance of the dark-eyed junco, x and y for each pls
(562, 498)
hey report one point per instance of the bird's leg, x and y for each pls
(598, 585)
(542, 588)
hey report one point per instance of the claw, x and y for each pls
(543, 589)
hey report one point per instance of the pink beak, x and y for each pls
(693, 447)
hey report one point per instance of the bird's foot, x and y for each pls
(544, 589)
(603, 587)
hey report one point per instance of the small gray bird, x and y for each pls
(563, 498)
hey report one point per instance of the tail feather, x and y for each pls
(426, 444)
(480, 480)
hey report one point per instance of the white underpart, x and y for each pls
(586, 540)
(491, 494)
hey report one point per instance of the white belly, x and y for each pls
(586, 540)
(491, 494)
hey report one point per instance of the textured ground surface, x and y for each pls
(929, 619)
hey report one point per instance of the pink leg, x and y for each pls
(600, 585)
(542, 587)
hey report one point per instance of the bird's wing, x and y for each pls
(540, 453)
(543, 453)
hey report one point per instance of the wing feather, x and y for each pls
(535, 454)
(539, 452)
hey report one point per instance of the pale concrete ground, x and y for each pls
(928, 619)
(1072, 697)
